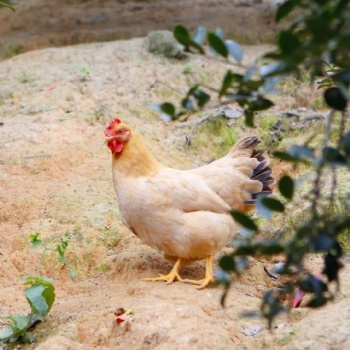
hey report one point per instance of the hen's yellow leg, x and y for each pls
(170, 277)
(209, 276)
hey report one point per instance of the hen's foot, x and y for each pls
(201, 283)
(170, 277)
(209, 276)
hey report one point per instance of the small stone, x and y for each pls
(163, 43)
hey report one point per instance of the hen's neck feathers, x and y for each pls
(136, 159)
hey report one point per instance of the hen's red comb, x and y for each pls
(111, 125)
(114, 121)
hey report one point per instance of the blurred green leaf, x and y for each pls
(167, 110)
(285, 156)
(222, 277)
(234, 49)
(217, 44)
(245, 250)
(219, 33)
(40, 298)
(285, 9)
(227, 263)
(226, 83)
(244, 220)
(263, 211)
(345, 144)
(201, 96)
(182, 35)
(249, 118)
(271, 247)
(286, 186)
(301, 152)
(312, 284)
(273, 204)
(34, 239)
(71, 273)
(333, 157)
(271, 306)
(341, 222)
(288, 42)
(324, 242)
(200, 35)
(276, 68)
(342, 76)
(29, 336)
(335, 99)
(260, 104)
(5, 333)
(8, 4)
(327, 82)
(187, 103)
(317, 301)
(332, 267)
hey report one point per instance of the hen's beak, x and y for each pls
(109, 138)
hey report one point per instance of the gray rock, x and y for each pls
(163, 43)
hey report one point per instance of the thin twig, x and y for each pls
(320, 166)
(334, 184)
(197, 122)
(308, 117)
(343, 119)
(219, 59)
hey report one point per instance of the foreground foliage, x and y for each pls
(317, 41)
(6, 3)
(40, 295)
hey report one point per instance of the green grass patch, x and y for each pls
(214, 138)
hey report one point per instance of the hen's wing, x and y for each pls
(184, 191)
(178, 213)
(238, 177)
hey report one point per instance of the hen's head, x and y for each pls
(117, 135)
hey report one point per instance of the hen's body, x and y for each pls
(176, 212)
(186, 214)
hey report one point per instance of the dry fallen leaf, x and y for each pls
(122, 315)
(51, 87)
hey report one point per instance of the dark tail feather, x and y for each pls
(245, 147)
(261, 173)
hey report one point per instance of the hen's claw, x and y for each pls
(209, 276)
(201, 283)
(170, 277)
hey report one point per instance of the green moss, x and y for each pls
(103, 267)
(214, 138)
(12, 49)
(284, 340)
(344, 240)
(26, 78)
(318, 103)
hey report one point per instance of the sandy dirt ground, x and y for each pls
(55, 176)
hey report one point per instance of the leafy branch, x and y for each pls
(60, 248)
(317, 41)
